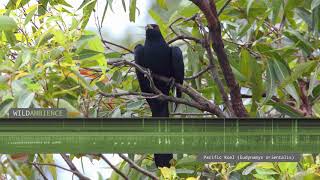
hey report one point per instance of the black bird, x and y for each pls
(160, 59)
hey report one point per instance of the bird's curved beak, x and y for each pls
(149, 26)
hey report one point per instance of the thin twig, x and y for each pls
(138, 168)
(192, 114)
(142, 94)
(198, 73)
(73, 167)
(40, 171)
(54, 165)
(113, 167)
(182, 37)
(117, 45)
(223, 7)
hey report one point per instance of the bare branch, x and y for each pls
(40, 171)
(209, 10)
(201, 102)
(141, 94)
(117, 45)
(73, 167)
(192, 114)
(198, 74)
(48, 164)
(113, 167)
(138, 168)
(224, 6)
(182, 37)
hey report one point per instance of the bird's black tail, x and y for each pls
(163, 160)
(160, 109)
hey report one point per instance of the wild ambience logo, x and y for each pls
(37, 112)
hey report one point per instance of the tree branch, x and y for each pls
(213, 69)
(40, 171)
(224, 6)
(48, 164)
(117, 45)
(136, 167)
(113, 167)
(182, 37)
(73, 167)
(198, 73)
(201, 103)
(210, 12)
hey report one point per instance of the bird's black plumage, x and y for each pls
(160, 59)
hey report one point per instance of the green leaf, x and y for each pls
(42, 7)
(276, 5)
(85, 3)
(124, 5)
(87, 54)
(285, 109)
(256, 85)
(249, 169)
(315, 4)
(61, 2)
(282, 72)
(161, 23)
(241, 165)
(25, 99)
(18, 3)
(250, 2)
(298, 72)
(263, 177)
(239, 76)
(23, 59)
(72, 111)
(189, 162)
(263, 171)
(113, 55)
(313, 80)
(245, 63)
(270, 81)
(135, 105)
(10, 37)
(30, 15)
(14, 4)
(162, 4)
(299, 40)
(43, 39)
(289, 167)
(82, 80)
(5, 106)
(291, 4)
(7, 23)
(132, 10)
(87, 10)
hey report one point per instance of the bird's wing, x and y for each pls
(138, 54)
(178, 66)
(139, 59)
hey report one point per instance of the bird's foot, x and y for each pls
(171, 82)
(148, 73)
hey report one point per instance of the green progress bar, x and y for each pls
(148, 135)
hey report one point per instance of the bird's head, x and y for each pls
(153, 32)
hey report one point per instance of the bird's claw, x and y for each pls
(148, 73)
(171, 82)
